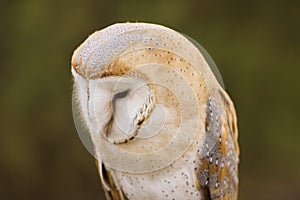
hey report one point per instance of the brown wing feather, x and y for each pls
(112, 192)
(218, 172)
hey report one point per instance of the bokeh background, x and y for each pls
(255, 44)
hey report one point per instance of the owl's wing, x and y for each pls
(111, 190)
(218, 171)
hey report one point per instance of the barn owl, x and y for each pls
(160, 124)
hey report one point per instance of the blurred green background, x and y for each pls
(255, 44)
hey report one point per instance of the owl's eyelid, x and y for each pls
(120, 95)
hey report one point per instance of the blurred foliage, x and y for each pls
(255, 44)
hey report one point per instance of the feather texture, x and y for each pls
(162, 127)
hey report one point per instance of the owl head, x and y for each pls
(140, 89)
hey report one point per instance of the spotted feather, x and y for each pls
(218, 172)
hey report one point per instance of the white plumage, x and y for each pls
(161, 125)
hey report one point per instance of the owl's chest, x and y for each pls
(177, 181)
